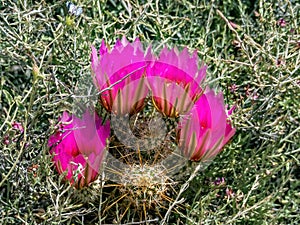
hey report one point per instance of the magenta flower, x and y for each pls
(17, 126)
(119, 76)
(205, 129)
(174, 80)
(78, 147)
(281, 22)
(6, 140)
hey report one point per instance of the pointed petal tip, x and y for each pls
(137, 39)
(65, 117)
(230, 111)
(94, 51)
(124, 40)
(103, 48)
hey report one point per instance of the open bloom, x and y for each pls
(78, 147)
(174, 79)
(119, 76)
(205, 129)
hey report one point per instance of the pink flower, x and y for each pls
(17, 126)
(119, 76)
(174, 79)
(219, 181)
(281, 22)
(233, 88)
(205, 129)
(78, 147)
(6, 140)
(229, 192)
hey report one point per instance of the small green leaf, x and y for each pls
(8, 97)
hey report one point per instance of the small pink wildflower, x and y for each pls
(219, 181)
(17, 126)
(281, 22)
(229, 192)
(6, 140)
(233, 88)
